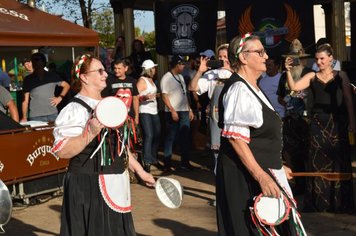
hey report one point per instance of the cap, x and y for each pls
(208, 53)
(177, 59)
(148, 64)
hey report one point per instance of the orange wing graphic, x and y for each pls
(245, 24)
(292, 23)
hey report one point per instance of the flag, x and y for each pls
(185, 27)
(276, 22)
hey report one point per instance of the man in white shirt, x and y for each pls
(177, 113)
(269, 84)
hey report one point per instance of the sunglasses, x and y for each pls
(261, 52)
(101, 71)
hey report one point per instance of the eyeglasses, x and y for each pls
(101, 71)
(261, 52)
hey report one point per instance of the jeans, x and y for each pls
(47, 118)
(151, 129)
(180, 130)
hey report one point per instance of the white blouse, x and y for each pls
(71, 121)
(208, 81)
(242, 111)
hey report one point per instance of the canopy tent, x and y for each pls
(22, 25)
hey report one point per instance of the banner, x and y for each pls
(276, 22)
(185, 27)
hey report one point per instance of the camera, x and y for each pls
(215, 64)
(295, 62)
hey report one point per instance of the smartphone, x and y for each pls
(295, 62)
(215, 64)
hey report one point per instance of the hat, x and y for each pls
(177, 59)
(207, 53)
(296, 50)
(148, 64)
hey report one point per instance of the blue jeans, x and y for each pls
(180, 130)
(151, 129)
(46, 118)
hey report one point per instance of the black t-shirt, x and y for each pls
(124, 89)
(33, 81)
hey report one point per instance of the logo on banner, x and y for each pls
(270, 30)
(184, 26)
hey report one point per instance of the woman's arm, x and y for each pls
(137, 168)
(74, 145)
(193, 85)
(348, 100)
(301, 84)
(141, 85)
(267, 184)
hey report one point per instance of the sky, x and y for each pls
(144, 20)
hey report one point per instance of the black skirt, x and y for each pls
(85, 213)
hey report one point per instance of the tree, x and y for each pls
(69, 9)
(150, 39)
(103, 23)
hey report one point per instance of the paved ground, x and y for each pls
(195, 217)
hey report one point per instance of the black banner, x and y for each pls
(185, 27)
(277, 22)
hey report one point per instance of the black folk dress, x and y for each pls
(329, 150)
(235, 187)
(84, 210)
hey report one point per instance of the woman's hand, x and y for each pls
(54, 101)
(288, 172)
(203, 67)
(95, 126)
(268, 186)
(147, 178)
(288, 63)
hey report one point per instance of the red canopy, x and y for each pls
(22, 25)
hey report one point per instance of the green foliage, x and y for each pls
(103, 23)
(150, 39)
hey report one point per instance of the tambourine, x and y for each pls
(169, 191)
(271, 211)
(5, 206)
(111, 112)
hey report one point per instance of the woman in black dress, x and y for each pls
(96, 198)
(332, 117)
(251, 141)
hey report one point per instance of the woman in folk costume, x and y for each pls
(212, 81)
(249, 161)
(96, 197)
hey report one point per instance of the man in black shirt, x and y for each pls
(124, 87)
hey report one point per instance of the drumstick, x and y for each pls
(333, 176)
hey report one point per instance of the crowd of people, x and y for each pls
(266, 116)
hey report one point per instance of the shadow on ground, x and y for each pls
(178, 228)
